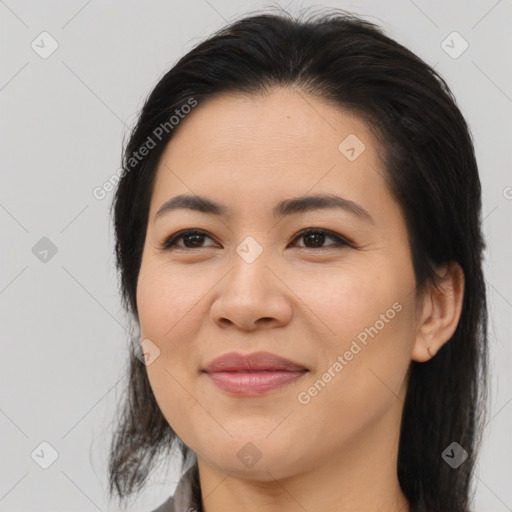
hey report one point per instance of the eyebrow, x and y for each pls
(283, 208)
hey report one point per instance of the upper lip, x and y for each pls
(234, 361)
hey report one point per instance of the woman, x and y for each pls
(298, 235)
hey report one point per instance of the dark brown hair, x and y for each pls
(432, 173)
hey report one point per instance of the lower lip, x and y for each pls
(253, 383)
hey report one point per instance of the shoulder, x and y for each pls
(187, 496)
(167, 506)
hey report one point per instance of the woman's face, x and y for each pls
(343, 311)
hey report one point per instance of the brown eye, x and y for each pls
(315, 238)
(192, 239)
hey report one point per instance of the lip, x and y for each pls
(252, 374)
(256, 361)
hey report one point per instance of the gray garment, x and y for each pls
(187, 496)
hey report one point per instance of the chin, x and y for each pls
(264, 470)
(256, 458)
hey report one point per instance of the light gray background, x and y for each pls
(63, 119)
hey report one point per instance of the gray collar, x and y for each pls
(187, 496)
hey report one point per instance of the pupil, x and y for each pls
(317, 237)
(195, 241)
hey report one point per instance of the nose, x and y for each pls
(252, 296)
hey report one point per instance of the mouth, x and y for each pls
(252, 374)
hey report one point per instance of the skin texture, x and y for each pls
(303, 300)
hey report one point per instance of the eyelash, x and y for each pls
(170, 242)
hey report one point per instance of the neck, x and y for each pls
(361, 477)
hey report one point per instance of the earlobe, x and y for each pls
(441, 311)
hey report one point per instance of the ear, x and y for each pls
(440, 312)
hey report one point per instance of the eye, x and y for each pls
(193, 239)
(316, 238)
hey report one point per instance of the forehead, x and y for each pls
(240, 148)
(282, 122)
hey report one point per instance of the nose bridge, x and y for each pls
(250, 250)
(251, 292)
(249, 266)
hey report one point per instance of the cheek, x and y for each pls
(366, 335)
(175, 398)
(169, 319)
(168, 302)
(344, 302)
